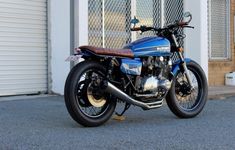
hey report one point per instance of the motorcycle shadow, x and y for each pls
(136, 115)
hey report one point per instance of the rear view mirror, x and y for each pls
(187, 14)
(134, 21)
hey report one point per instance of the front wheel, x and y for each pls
(86, 102)
(183, 101)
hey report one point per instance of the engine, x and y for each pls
(154, 79)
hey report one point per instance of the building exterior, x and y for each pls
(221, 50)
(37, 36)
(23, 47)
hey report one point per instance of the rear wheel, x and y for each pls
(183, 101)
(85, 100)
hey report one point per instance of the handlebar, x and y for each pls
(170, 26)
(145, 28)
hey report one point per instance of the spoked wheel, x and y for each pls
(186, 97)
(184, 101)
(86, 102)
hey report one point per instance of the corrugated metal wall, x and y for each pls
(23, 46)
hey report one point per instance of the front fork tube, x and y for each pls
(186, 72)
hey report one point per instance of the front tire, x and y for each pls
(82, 99)
(183, 103)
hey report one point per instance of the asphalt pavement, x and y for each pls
(43, 123)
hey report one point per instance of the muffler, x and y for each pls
(112, 89)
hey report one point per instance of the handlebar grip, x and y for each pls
(189, 27)
(136, 29)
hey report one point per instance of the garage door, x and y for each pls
(23, 47)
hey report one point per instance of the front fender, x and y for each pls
(176, 65)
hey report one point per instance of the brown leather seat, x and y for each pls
(109, 51)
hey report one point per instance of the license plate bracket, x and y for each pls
(74, 58)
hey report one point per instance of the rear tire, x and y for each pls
(76, 95)
(175, 94)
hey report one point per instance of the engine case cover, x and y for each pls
(150, 84)
(131, 66)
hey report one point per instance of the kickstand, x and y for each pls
(127, 106)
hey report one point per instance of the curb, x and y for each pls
(221, 96)
(23, 97)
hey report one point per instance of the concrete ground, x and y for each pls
(43, 123)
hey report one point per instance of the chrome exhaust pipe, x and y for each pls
(110, 88)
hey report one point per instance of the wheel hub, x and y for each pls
(95, 97)
(184, 89)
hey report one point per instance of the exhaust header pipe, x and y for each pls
(112, 89)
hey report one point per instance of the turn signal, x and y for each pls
(181, 49)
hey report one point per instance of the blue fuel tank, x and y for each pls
(150, 46)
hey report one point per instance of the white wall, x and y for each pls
(81, 22)
(196, 45)
(59, 26)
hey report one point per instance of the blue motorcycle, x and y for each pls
(143, 74)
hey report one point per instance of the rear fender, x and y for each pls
(82, 54)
